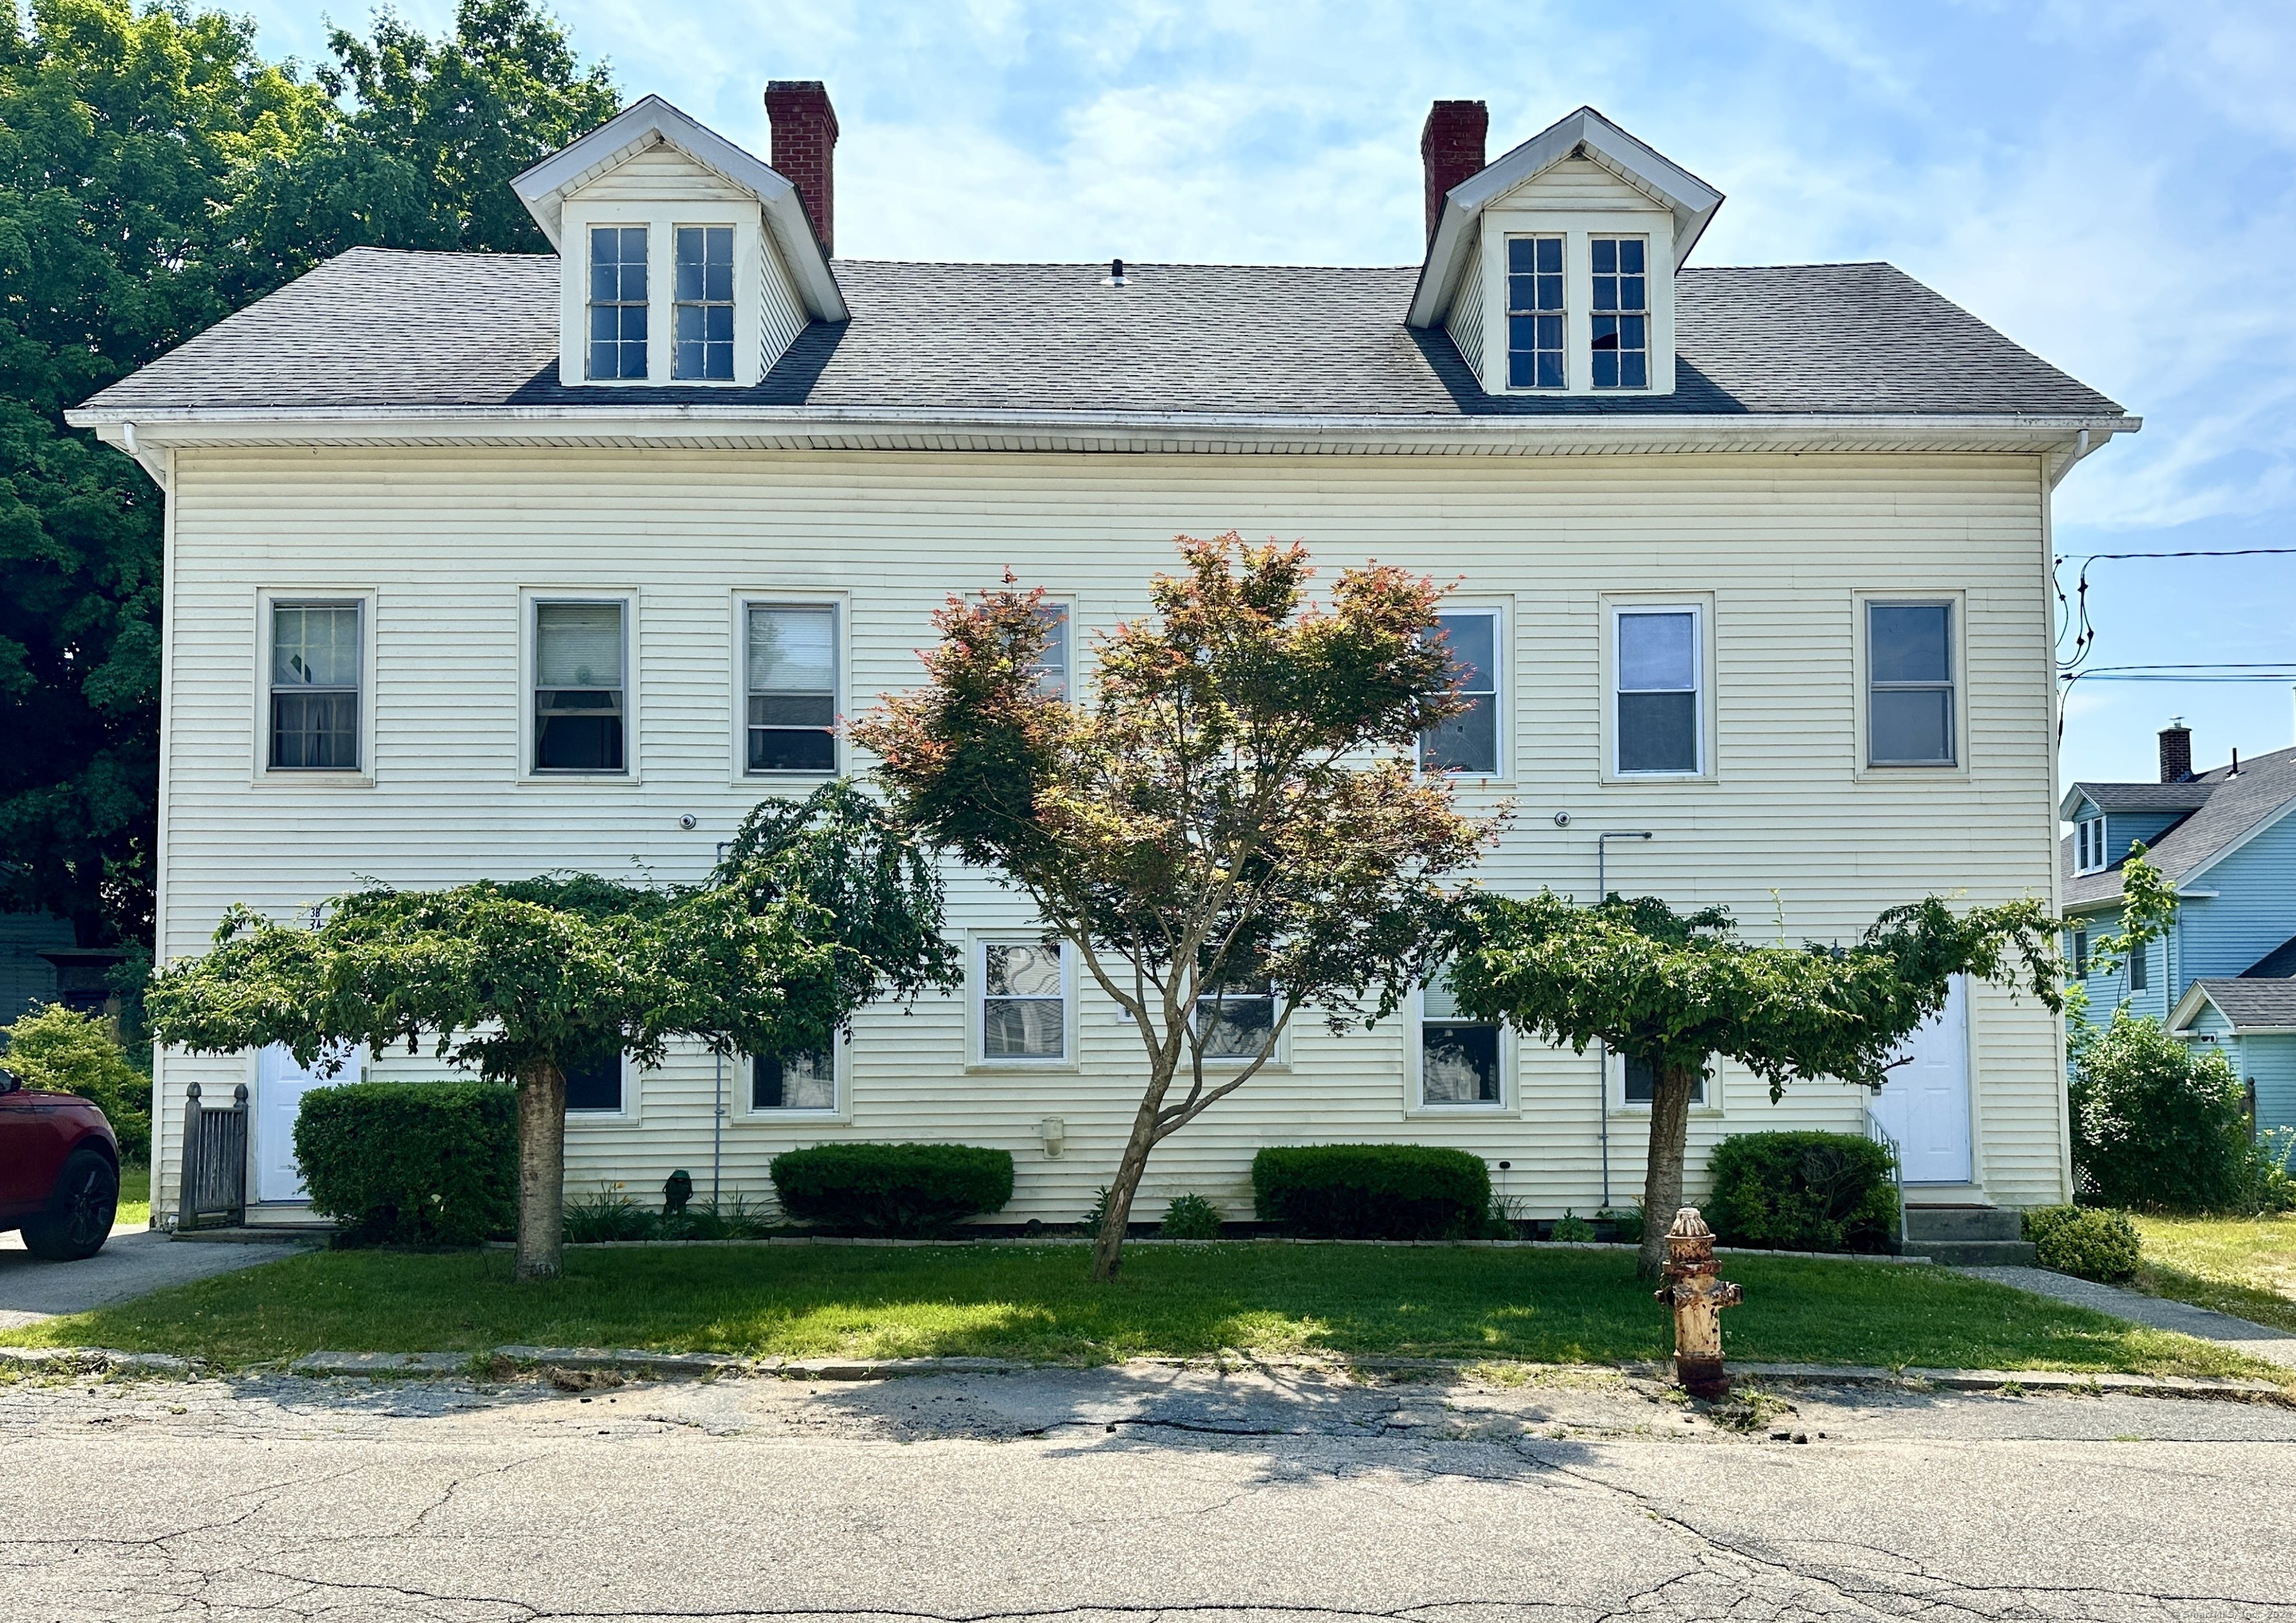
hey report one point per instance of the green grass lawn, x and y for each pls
(134, 1197)
(2243, 1265)
(1036, 1302)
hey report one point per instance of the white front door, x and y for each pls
(1925, 1105)
(279, 1085)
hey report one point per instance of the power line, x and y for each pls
(2072, 614)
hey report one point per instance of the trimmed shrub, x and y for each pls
(1190, 1216)
(2158, 1123)
(60, 1050)
(413, 1163)
(892, 1189)
(1626, 1224)
(1373, 1191)
(1802, 1191)
(1570, 1226)
(2084, 1240)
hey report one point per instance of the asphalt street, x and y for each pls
(1183, 1495)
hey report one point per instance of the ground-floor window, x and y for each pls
(595, 1084)
(1640, 1085)
(1458, 1057)
(800, 1080)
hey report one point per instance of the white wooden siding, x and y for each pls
(661, 175)
(1465, 321)
(447, 539)
(781, 308)
(1577, 185)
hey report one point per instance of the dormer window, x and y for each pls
(705, 302)
(1535, 312)
(618, 301)
(1622, 312)
(2088, 846)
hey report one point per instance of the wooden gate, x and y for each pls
(214, 1161)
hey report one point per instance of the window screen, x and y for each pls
(1023, 1002)
(1659, 666)
(1469, 741)
(802, 1079)
(595, 1084)
(314, 687)
(1909, 669)
(705, 302)
(577, 687)
(1534, 312)
(1619, 331)
(618, 301)
(792, 682)
(1458, 1058)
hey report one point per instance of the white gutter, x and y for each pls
(2082, 446)
(154, 463)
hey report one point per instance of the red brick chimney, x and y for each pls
(804, 148)
(2175, 751)
(1451, 147)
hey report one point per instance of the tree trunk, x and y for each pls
(1108, 1249)
(1669, 1138)
(541, 1170)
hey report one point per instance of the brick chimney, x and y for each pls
(2175, 751)
(1451, 147)
(804, 148)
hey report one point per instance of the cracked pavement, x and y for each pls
(1250, 1495)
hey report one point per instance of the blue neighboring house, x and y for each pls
(2226, 973)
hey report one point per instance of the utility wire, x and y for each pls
(2072, 614)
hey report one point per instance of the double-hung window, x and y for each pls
(1659, 724)
(705, 302)
(314, 687)
(792, 687)
(1638, 1085)
(797, 1079)
(2140, 972)
(2080, 951)
(579, 652)
(1469, 741)
(1910, 685)
(1619, 324)
(1235, 1021)
(618, 301)
(1458, 1057)
(2088, 846)
(1024, 1000)
(1534, 312)
(1052, 667)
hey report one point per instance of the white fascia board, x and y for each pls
(1691, 200)
(650, 121)
(2189, 1006)
(2263, 825)
(2069, 809)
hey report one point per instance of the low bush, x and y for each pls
(1373, 1191)
(1570, 1226)
(612, 1214)
(1190, 1216)
(412, 1163)
(1095, 1214)
(1802, 1191)
(63, 1051)
(1626, 1224)
(892, 1189)
(2159, 1124)
(2084, 1240)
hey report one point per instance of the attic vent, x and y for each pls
(1115, 277)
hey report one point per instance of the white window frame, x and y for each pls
(1507, 313)
(976, 994)
(841, 1067)
(1705, 1098)
(263, 773)
(531, 600)
(1066, 608)
(1278, 1059)
(1501, 677)
(1699, 607)
(1415, 1101)
(734, 303)
(1647, 314)
(2088, 844)
(628, 1113)
(1522, 215)
(840, 662)
(1864, 766)
(585, 248)
(661, 220)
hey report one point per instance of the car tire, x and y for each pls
(78, 1218)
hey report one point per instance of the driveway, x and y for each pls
(133, 1262)
(1142, 1494)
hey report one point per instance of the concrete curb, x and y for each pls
(2060, 1382)
(94, 1361)
(1073, 1239)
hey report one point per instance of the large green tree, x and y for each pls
(155, 175)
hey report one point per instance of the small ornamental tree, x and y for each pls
(1675, 990)
(1229, 829)
(818, 907)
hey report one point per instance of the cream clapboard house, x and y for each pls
(488, 565)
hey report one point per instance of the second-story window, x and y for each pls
(2140, 976)
(577, 687)
(1660, 728)
(1469, 741)
(792, 682)
(314, 687)
(2088, 846)
(1909, 672)
(1619, 325)
(1051, 665)
(618, 301)
(705, 302)
(1534, 312)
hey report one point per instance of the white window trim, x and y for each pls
(673, 301)
(1501, 611)
(1515, 218)
(1506, 312)
(1614, 1082)
(976, 991)
(1415, 1103)
(1280, 1059)
(529, 598)
(743, 1075)
(2089, 848)
(627, 1116)
(1649, 313)
(1862, 766)
(661, 221)
(841, 629)
(1700, 605)
(263, 774)
(1066, 605)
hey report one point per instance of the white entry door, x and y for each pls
(1925, 1105)
(279, 1085)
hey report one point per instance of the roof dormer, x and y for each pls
(687, 262)
(1552, 268)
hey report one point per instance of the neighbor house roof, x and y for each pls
(2279, 963)
(2231, 810)
(2253, 1007)
(377, 328)
(2190, 795)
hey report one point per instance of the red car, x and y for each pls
(59, 1171)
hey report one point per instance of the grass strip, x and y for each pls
(2241, 1265)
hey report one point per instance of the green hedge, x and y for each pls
(1373, 1191)
(1802, 1191)
(2093, 1244)
(413, 1163)
(892, 1189)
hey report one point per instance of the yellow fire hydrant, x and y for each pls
(1697, 1293)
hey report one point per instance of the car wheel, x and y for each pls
(78, 1218)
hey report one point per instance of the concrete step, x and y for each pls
(1974, 1253)
(1925, 1222)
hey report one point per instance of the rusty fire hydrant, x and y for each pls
(1697, 1293)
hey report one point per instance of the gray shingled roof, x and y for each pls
(380, 328)
(2190, 795)
(2251, 1003)
(2277, 964)
(2235, 807)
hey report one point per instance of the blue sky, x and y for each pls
(2112, 183)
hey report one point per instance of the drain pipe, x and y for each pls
(717, 1106)
(1602, 1050)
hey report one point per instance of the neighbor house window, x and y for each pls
(1235, 1021)
(1458, 1057)
(579, 654)
(1660, 664)
(1620, 330)
(2140, 976)
(1534, 312)
(1023, 1000)
(314, 687)
(1909, 676)
(1052, 667)
(618, 301)
(705, 302)
(1469, 741)
(2080, 952)
(793, 688)
(595, 1084)
(2088, 846)
(800, 1079)
(1639, 1085)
